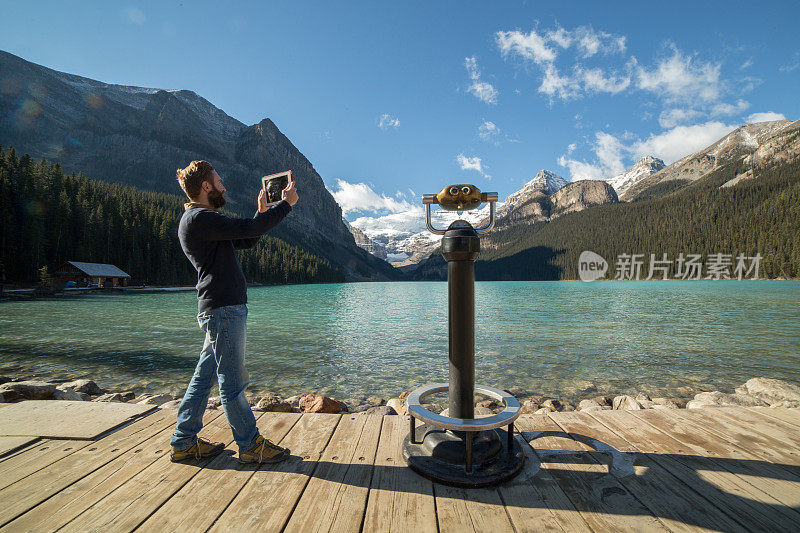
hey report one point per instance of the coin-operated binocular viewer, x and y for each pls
(460, 449)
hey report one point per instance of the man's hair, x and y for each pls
(192, 177)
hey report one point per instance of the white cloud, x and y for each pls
(723, 109)
(482, 90)
(609, 151)
(680, 141)
(746, 64)
(581, 170)
(792, 64)
(135, 15)
(387, 121)
(488, 131)
(765, 117)
(471, 163)
(595, 80)
(590, 42)
(681, 78)
(554, 84)
(612, 156)
(669, 118)
(530, 46)
(360, 197)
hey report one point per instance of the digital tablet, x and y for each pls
(274, 184)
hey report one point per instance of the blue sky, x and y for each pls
(393, 100)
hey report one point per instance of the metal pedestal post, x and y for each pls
(469, 456)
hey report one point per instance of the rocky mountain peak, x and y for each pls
(544, 183)
(548, 182)
(643, 168)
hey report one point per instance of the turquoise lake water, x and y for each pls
(566, 339)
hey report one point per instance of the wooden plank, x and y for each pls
(48, 481)
(460, 510)
(535, 502)
(215, 485)
(729, 492)
(25, 462)
(602, 501)
(786, 415)
(717, 438)
(60, 419)
(75, 498)
(399, 499)
(767, 445)
(266, 501)
(130, 504)
(781, 431)
(12, 444)
(336, 496)
(675, 503)
(781, 482)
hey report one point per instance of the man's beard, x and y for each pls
(216, 198)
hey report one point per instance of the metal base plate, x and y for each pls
(492, 470)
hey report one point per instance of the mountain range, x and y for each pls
(139, 136)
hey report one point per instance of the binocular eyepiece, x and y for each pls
(459, 197)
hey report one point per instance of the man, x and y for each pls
(208, 239)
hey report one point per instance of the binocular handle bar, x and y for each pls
(429, 199)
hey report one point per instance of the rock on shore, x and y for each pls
(755, 392)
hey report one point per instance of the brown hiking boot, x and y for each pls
(263, 451)
(199, 450)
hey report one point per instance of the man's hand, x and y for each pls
(262, 201)
(289, 194)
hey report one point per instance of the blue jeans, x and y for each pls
(222, 357)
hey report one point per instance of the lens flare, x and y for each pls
(74, 142)
(34, 208)
(94, 101)
(27, 112)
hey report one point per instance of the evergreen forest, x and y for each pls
(49, 217)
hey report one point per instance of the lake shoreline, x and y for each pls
(756, 392)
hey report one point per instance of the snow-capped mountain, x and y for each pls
(759, 142)
(545, 182)
(404, 235)
(643, 168)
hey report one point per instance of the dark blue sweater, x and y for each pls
(208, 239)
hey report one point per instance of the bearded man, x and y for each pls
(209, 239)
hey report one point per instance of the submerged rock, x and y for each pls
(772, 391)
(316, 403)
(27, 390)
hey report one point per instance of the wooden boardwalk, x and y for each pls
(725, 469)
